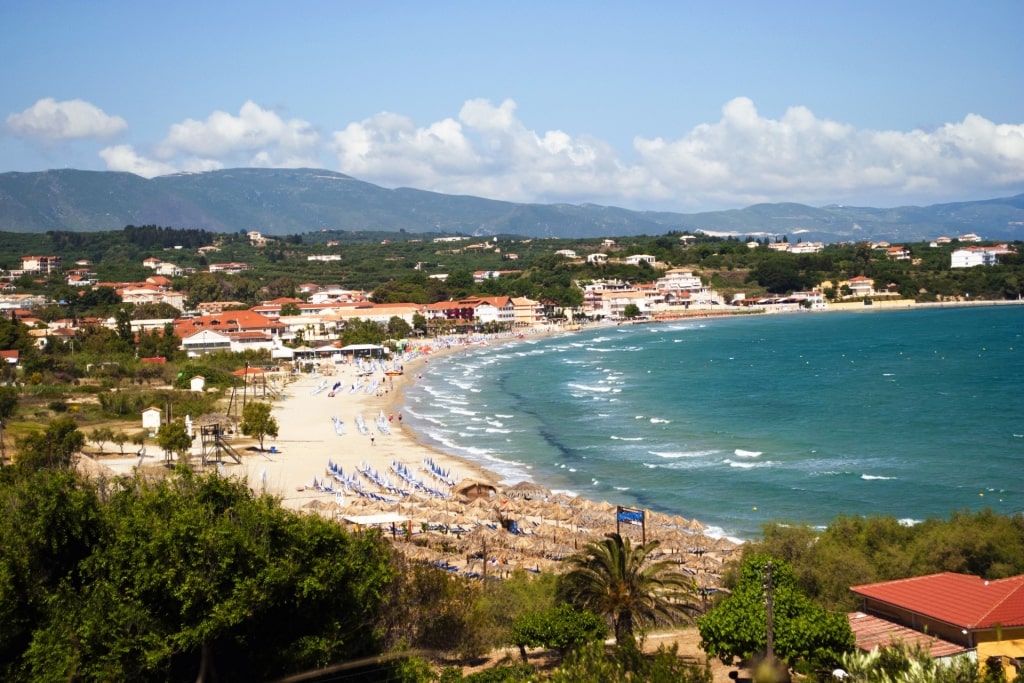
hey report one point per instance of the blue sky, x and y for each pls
(678, 106)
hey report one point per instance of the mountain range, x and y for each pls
(295, 201)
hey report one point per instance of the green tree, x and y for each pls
(99, 436)
(54, 447)
(50, 523)
(398, 328)
(195, 578)
(459, 283)
(290, 309)
(737, 627)
(119, 438)
(362, 331)
(562, 628)
(618, 580)
(631, 311)
(419, 323)
(173, 438)
(123, 320)
(8, 402)
(258, 422)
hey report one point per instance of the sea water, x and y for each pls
(740, 421)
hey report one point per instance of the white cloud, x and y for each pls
(124, 158)
(50, 121)
(255, 135)
(743, 158)
(486, 152)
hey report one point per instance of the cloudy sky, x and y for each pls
(670, 105)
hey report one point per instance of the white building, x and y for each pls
(637, 259)
(968, 257)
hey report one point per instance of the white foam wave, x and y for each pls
(627, 438)
(740, 453)
(682, 454)
(875, 477)
(660, 421)
(590, 387)
(749, 465)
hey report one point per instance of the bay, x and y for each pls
(741, 421)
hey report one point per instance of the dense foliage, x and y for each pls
(857, 550)
(401, 267)
(736, 628)
(187, 578)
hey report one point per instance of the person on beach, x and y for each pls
(373, 440)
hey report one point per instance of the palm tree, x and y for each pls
(614, 578)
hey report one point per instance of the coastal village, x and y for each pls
(343, 453)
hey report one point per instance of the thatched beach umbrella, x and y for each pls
(526, 490)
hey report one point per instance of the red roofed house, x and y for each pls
(959, 613)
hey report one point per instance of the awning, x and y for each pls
(373, 520)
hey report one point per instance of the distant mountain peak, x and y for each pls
(294, 201)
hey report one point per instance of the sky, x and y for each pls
(677, 106)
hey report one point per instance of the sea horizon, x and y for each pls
(741, 421)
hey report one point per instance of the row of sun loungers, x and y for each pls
(440, 473)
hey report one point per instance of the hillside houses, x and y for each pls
(677, 291)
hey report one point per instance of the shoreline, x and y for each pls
(307, 442)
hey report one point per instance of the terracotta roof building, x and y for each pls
(963, 610)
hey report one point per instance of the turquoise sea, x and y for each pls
(797, 417)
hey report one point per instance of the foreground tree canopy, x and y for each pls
(737, 627)
(188, 578)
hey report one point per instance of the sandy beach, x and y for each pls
(466, 521)
(307, 438)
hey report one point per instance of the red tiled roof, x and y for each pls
(959, 599)
(872, 632)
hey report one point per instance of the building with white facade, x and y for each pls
(968, 257)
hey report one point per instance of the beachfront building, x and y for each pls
(231, 322)
(614, 303)
(527, 312)
(594, 293)
(473, 310)
(860, 286)
(948, 614)
(679, 289)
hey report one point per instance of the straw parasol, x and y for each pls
(526, 490)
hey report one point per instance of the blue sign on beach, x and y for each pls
(631, 516)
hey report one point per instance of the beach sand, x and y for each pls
(474, 534)
(307, 440)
